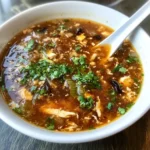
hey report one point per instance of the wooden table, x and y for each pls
(136, 137)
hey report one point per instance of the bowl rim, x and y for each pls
(71, 137)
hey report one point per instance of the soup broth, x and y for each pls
(52, 76)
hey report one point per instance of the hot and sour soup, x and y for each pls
(52, 77)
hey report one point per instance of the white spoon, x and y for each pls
(117, 38)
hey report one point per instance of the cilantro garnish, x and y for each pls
(112, 92)
(21, 59)
(109, 105)
(3, 88)
(42, 70)
(62, 27)
(112, 95)
(23, 81)
(50, 124)
(79, 60)
(52, 44)
(33, 88)
(132, 59)
(120, 68)
(129, 105)
(121, 110)
(86, 102)
(18, 110)
(91, 128)
(89, 78)
(77, 48)
(30, 45)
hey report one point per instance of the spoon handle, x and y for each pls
(118, 36)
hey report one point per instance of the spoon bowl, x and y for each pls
(116, 39)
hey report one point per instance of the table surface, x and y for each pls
(136, 137)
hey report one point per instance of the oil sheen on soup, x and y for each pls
(52, 76)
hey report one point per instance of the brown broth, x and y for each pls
(52, 105)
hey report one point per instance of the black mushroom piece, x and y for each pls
(42, 29)
(79, 31)
(47, 85)
(116, 86)
(97, 37)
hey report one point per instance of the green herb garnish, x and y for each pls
(109, 105)
(42, 78)
(50, 124)
(89, 78)
(75, 60)
(42, 91)
(18, 110)
(119, 68)
(123, 70)
(62, 27)
(77, 48)
(52, 44)
(58, 71)
(121, 110)
(82, 60)
(129, 105)
(3, 88)
(136, 80)
(112, 92)
(86, 102)
(30, 45)
(91, 128)
(23, 81)
(113, 99)
(33, 88)
(79, 60)
(43, 69)
(21, 59)
(132, 59)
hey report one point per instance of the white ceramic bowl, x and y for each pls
(72, 9)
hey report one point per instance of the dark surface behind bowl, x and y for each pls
(136, 137)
